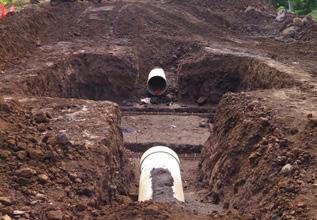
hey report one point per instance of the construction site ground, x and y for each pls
(240, 109)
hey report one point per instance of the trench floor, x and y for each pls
(186, 135)
(195, 194)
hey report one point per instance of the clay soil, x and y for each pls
(240, 110)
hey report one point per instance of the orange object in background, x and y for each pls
(3, 11)
(11, 9)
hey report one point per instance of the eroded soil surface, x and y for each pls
(166, 130)
(241, 109)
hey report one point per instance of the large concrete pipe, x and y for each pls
(156, 83)
(160, 178)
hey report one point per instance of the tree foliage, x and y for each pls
(300, 7)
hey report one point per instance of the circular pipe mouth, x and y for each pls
(159, 149)
(160, 177)
(157, 85)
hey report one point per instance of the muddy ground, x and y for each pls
(240, 110)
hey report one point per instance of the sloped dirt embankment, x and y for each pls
(48, 177)
(259, 162)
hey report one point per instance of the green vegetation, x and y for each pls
(314, 14)
(299, 7)
(20, 3)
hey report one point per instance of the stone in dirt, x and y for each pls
(4, 154)
(290, 31)
(6, 217)
(62, 139)
(18, 212)
(287, 169)
(203, 124)
(50, 138)
(26, 172)
(298, 22)
(281, 16)
(54, 215)
(201, 100)
(21, 155)
(41, 117)
(43, 178)
(308, 21)
(6, 201)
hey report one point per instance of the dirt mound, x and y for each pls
(149, 210)
(45, 171)
(257, 162)
(227, 4)
(23, 33)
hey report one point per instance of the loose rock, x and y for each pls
(298, 22)
(62, 139)
(54, 215)
(25, 172)
(6, 201)
(287, 169)
(201, 100)
(41, 117)
(290, 31)
(18, 212)
(4, 154)
(43, 178)
(6, 217)
(203, 124)
(281, 16)
(308, 21)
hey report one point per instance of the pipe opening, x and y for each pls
(157, 85)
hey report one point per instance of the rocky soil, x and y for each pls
(46, 168)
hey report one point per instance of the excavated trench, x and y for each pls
(85, 76)
(180, 123)
(213, 75)
(185, 126)
(99, 54)
(202, 77)
(116, 77)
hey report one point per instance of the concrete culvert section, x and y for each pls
(160, 178)
(157, 83)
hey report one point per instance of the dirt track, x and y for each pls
(66, 152)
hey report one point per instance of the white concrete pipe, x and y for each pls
(160, 178)
(157, 83)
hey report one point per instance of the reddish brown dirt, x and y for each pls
(262, 160)
(44, 168)
(64, 158)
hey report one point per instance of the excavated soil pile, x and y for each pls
(22, 34)
(149, 211)
(261, 159)
(45, 173)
